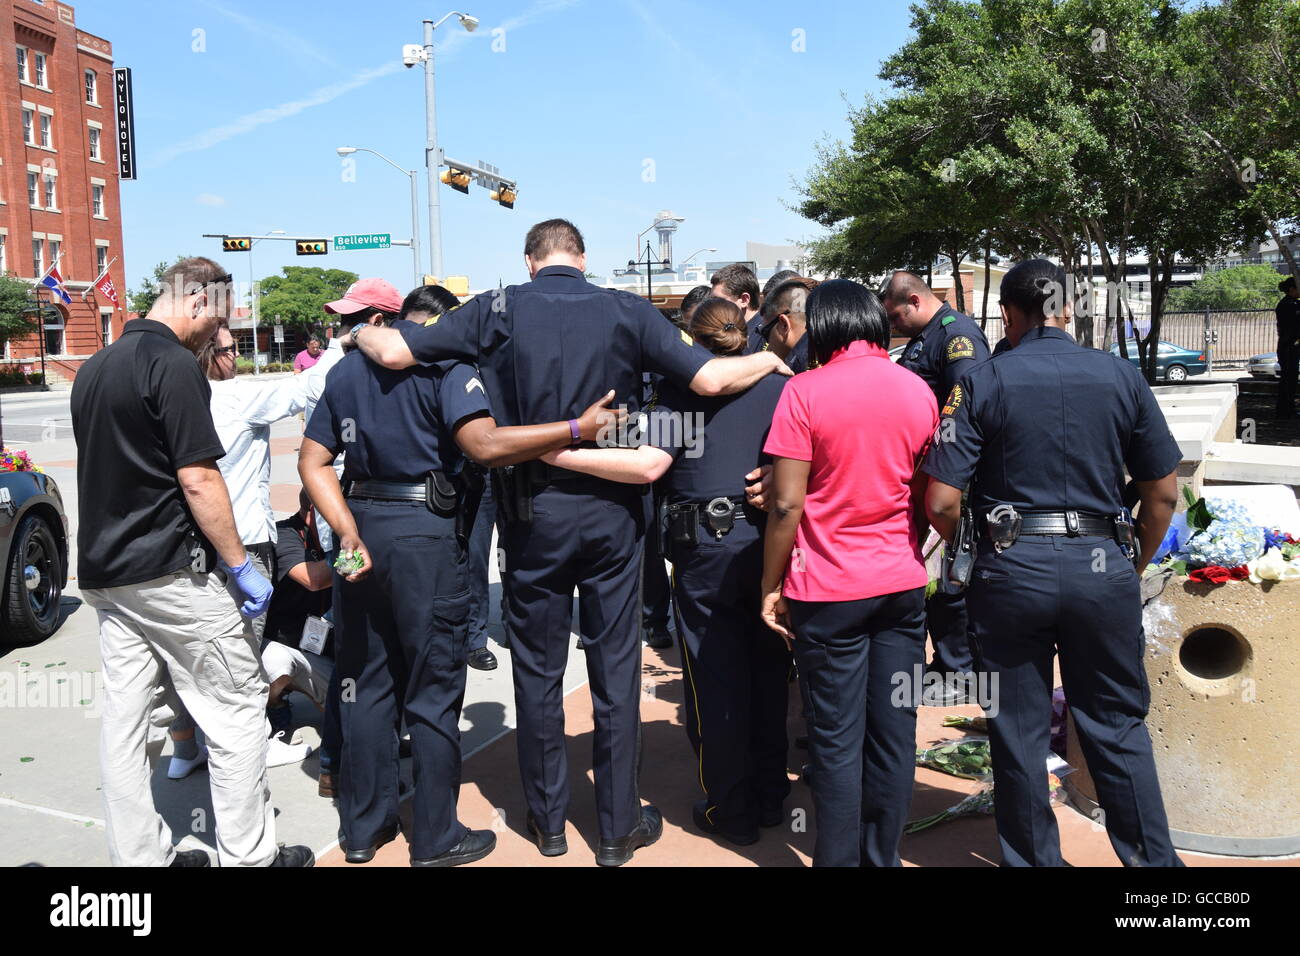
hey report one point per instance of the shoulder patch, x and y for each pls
(433, 319)
(959, 347)
(686, 337)
(947, 320)
(954, 401)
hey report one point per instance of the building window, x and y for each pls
(38, 257)
(28, 120)
(50, 199)
(54, 338)
(97, 201)
(47, 130)
(56, 250)
(33, 190)
(4, 259)
(106, 327)
(94, 142)
(91, 93)
(101, 259)
(22, 64)
(40, 69)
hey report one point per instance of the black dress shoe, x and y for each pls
(741, 837)
(657, 637)
(476, 845)
(295, 856)
(482, 660)
(367, 853)
(579, 645)
(550, 844)
(190, 858)
(617, 852)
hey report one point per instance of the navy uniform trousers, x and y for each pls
(946, 620)
(1080, 598)
(403, 648)
(736, 671)
(862, 731)
(585, 533)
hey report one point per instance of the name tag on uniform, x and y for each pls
(315, 632)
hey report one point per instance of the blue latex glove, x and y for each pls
(254, 587)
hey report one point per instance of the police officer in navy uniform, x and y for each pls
(736, 669)
(1288, 346)
(943, 345)
(782, 325)
(1046, 430)
(404, 614)
(546, 348)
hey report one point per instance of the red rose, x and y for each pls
(1211, 574)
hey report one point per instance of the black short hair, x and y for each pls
(785, 275)
(1036, 287)
(693, 298)
(777, 300)
(737, 280)
(433, 299)
(841, 311)
(1286, 285)
(552, 236)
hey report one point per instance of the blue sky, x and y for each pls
(239, 136)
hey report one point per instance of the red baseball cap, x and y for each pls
(367, 294)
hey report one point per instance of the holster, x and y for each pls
(959, 557)
(1125, 536)
(514, 492)
(472, 479)
(683, 524)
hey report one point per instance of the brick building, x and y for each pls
(59, 179)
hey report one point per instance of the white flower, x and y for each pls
(1273, 567)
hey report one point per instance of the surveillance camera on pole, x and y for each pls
(412, 53)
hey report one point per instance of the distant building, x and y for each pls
(59, 179)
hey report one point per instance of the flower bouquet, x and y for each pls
(16, 461)
(969, 758)
(1216, 541)
(981, 801)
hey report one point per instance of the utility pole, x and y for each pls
(432, 156)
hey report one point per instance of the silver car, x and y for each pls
(1265, 366)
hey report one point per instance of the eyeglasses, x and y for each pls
(766, 330)
(231, 349)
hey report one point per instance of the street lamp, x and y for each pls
(411, 55)
(415, 202)
(696, 253)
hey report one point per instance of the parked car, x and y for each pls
(1265, 365)
(1173, 363)
(34, 544)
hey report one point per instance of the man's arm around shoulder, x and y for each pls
(730, 374)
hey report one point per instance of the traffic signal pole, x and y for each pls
(432, 156)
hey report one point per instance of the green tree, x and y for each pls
(17, 315)
(296, 298)
(143, 298)
(1240, 288)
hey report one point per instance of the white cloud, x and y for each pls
(209, 199)
(289, 41)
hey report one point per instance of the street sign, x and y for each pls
(279, 334)
(373, 240)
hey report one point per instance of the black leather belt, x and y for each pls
(1070, 523)
(387, 490)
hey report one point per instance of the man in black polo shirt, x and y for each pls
(163, 566)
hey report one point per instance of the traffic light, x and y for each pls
(312, 247)
(236, 244)
(505, 195)
(457, 179)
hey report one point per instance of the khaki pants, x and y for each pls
(187, 627)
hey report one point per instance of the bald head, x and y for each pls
(909, 303)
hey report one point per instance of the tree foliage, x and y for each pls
(17, 309)
(297, 297)
(1239, 288)
(1071, 128)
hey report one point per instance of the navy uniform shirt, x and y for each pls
(1051, 426)
(551, 347)
(396, 425)
(798, 359)
(714, 442)
(945, 350)
(1288, 321)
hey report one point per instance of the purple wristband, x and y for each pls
(574, 431)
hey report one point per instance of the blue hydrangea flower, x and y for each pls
(1231, 540)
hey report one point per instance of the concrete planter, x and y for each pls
(1223, 664)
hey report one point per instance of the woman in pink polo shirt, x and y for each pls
(843, 578)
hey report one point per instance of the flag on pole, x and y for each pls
(104, 286)
(54, 282)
